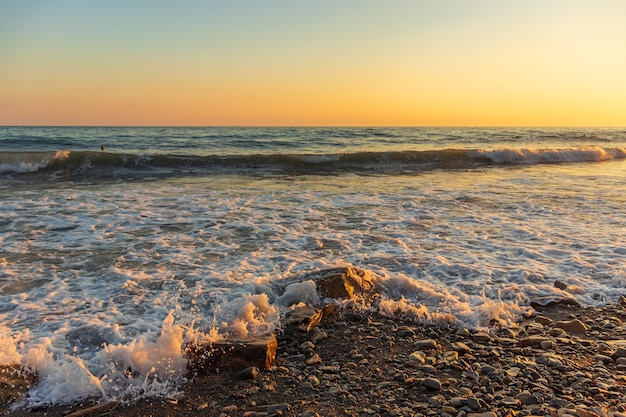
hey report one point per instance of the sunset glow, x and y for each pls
(482, 62)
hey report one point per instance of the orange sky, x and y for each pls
(357, 62)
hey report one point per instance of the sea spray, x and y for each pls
(9, 354)
(142, 367)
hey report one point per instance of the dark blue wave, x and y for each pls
(79, 165)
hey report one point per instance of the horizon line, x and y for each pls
(317, 126)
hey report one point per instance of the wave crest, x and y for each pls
(515, 156)
(102, 165)
(25, 162)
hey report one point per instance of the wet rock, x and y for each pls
(236, 354)
(560, 285)
(572, 326)
(342, 283)
(303, 317)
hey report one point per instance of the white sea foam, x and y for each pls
(542, 156)
(8, 348)
(319, 159)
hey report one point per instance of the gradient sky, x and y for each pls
(339, 62)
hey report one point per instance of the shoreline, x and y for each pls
(357, 363)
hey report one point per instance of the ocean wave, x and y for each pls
(25, 162)
(549, 156)
(103, 164)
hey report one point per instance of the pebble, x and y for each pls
(426, 344)
(314, 360)
(474, 403)
(417, 357)
(552, 364)
(481, 337)
(572, 326)
(284, 407)
(463, 332)
(249, 373)
(460, 347)
(544, 321)
(308, 413)
(603, 359)
(620, 352)
(306, 347)
(432, 383)
(322, 335)
(229, 408)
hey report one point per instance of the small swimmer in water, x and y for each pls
(102, 147)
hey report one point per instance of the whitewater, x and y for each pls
(111, 260)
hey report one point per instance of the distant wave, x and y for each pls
(104, 164)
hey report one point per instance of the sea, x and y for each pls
(120, 245)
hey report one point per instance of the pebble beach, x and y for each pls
(563, 360)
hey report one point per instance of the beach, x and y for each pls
(113, 261)
(312, 209)
(368, 364)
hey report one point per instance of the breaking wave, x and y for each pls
(104, 164)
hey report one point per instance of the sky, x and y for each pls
(313, 63)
